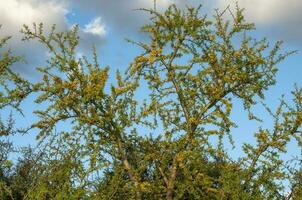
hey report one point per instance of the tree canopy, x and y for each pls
(101, 141)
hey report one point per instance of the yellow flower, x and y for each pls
(141, 59)
(237, 54)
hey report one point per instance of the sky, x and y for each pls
(106, 24)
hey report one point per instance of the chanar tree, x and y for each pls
(191, 70)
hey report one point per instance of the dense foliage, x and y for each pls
(101, 141)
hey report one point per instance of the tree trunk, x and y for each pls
(129, 170)
(171, 183)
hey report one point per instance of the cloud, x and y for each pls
(123, 16)
(268, 11)
(282, 19)
(95, 27)
(15, 13)
(120, 15)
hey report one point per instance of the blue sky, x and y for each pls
(106, 24)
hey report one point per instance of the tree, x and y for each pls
(191, 70)
(9, 96)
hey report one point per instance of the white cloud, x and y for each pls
(268, 11)
(279, 18)
(15, 13)
(120, 14)
(95, 27)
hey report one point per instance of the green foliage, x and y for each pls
(194, 68)
(11, 96)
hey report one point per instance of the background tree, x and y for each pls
(11, 94)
